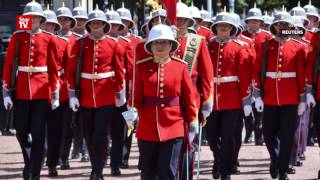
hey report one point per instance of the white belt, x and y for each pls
(279, 75)
(33, 69)
(225, 79)
(98, 75)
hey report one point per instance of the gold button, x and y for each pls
(162, 70)
(281, 47)
(96, 60)
(161, 74)
(280, 53)
(219, 69)
(96, 66)
(280, 59)
(220, 63)
(162, 65)
(221, 50)
(161, 96)
(32, 47)
(161, 84)
(33, 41)
(161, 90)
(162, 105)
(220, 57)
(97, 53)
(161, 79)
(280, 65)
(94, 80)
(31, 53)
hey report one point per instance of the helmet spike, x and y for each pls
(63, 4)
(79, 4)
(299, 4)
(192, 3)
(283, 8)
(265, 13)
(112, 8)
(97, 7)
(225, 8)
(122, 5)
(255, 5)
(310, 2)
(202, 7)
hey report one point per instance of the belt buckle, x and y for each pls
(30, 69)
(218, 80)
(94, 76)
(279, 75)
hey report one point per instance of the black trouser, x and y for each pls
(249, 125)
(257, 125)
(67, 133)
(95, 132)
(117, 127)
(238, 138)
(279, 124)
(317, 118)
(30, 118)
(79, 144)
(221, 129)
(54, 127)
(159, 160)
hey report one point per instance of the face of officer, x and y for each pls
(49, 27)
(125, 29)
(313, 22)
(206, 24)
(156, 21)
(254, 25)
(223, 30)
(281, 26)
(65, 23)
(36, 22)
(114, 31)
(97, 27)
(161, 48)
(80, 23)
(182, 23)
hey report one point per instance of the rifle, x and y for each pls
(263, 66)
(77, 81)
(12, 86)
(316, 69)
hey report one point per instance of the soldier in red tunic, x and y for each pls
(101, 86)
(162, 84)
(284, 69)
(232, 95)
(36, 72)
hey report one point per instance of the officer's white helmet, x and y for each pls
(35, 9)
(206, 16)
(156, 14)
(98, 15)
(161, 32)
(147, 19)
(281, 16)
(237, 21)
(267, 19)
(80, 12)
(254, 14)
(52, 18)
(66, 12)
(311, 11)
(299, 11)
(195, 12)
(225, 17)
(126, 15)
(114, 18)
(298, 22)
(183, 12)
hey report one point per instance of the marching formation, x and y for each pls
(85, 79)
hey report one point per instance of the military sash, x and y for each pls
(192, 50)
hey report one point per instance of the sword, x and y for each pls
(187, 162)
(199, 150)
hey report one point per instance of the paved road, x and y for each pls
(254, 163)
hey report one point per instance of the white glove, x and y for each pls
(130, 116)
(55, 104)
(121, 98)
(74, 104)
(7, 102)
(247, 109)
(259, 104)
(174, 31)
(301, 108)
(310, 100)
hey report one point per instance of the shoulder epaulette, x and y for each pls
(76, 34)
(64, 38)
(296, 40)
(246, 37)
(142, 41)
(115, 39)
(265, 31)
(197, 35)
(144, 60)
(241, 43)
(126, 39)
(205, 28)
(18, 31)
(78, 39)
(48, 33)
(136, 36)
(178, 59)
(305, 40)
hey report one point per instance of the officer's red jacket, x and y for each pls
(37, 51)
(231, 63)
(100, 57)
(205, 32)
(160, 89)
(283, 57)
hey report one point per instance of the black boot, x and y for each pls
(291, 170)
(124, 164)
(225, 177)
(274, 170)
(65, 164)
(284, 176)
(319, 174)
(115, 171)
(216, 171)
(52, 172)
(26, 173)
